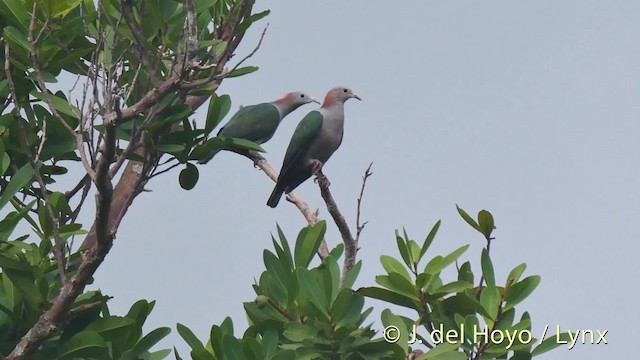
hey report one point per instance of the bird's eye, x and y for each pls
(345, 90)
(302, 95)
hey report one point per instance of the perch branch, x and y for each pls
(309, 215)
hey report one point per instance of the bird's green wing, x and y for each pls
(305, 132)
(257, 123)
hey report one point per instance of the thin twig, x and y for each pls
(359, 226)
(69, 194)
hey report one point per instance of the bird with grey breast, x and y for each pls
(315, 139)
(259, 122)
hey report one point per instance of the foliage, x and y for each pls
(299, 312)
(142, 69)
(303, 313)
(457, 318)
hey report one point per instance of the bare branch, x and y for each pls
(350, 245)
(360, 226)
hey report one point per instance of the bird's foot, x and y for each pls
(322, 180)
(256, 159)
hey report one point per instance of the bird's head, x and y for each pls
(297, 98)
(339, 94)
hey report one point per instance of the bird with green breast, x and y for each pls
(258, 123)
(315, 139)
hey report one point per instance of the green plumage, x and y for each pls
(305, 132)
(257, 123)
(296, 167)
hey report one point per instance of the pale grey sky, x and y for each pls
(528, 109)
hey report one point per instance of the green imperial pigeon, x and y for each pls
(259, 122)
(315, 139)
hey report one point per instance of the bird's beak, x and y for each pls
(357, 97)
(314, 100)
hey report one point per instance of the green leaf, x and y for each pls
(19, 180)
(25, 284)
(515, 274)
(520, 290)
(485, 222)
(269, 343)
(414, 251)
(453, 287)
(347, 308)
(471, 323)
(59, 203)
(243, 144)
(403, 249)
(308, 242)
(146, 343)
(4, 163)
(444, 351)
(218, 108)
(399, 284)
(551, 343)
(521, 355)
(313, 290)
(84, 344)
(487, 268)
(61, 105)
(283, 251)
(189, 177)
(297, 332)
(15, 35)
(391, 265)
(207, 149)
(175, 113)
(465, 273)
(439, 263)
(395, 329)
(468, 218)
(243, 26)
(110, 324)
(62, 8)
(388, 296)
(160, 354)
(490, 301)
(171, 148)
(429, 239)
(352, 275)
(232, 348)
(242, 71)
(451, 355)
(189, 337)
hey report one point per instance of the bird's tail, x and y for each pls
(274, 199)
